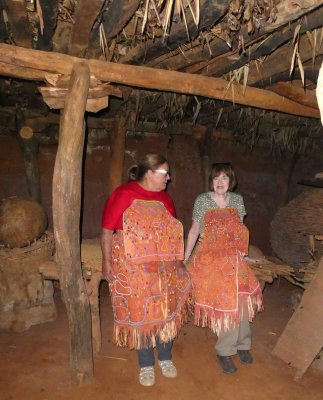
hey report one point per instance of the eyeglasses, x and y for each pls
(162, 171)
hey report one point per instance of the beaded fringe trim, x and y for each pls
(221, 321)
(146, 336)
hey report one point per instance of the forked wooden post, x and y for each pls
(66, 218)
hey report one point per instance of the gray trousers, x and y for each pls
(239, 339)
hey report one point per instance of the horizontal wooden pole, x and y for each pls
(153, 78)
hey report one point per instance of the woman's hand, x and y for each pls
(107, 271)
(106, 246)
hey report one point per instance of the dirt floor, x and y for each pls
(35, 364)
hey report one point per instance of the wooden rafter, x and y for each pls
(86, 12)
(230, 62)
(280, 61)
(213, 11)
(296, 93)
(199, 58)
(18, 20)
(151, 78)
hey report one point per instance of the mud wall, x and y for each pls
(265, 181)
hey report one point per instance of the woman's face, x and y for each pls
(158, 179)
(221, 183)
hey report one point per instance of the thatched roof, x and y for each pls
(269, 44)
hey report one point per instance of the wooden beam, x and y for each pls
(18, 20)
(117, 15)
(66, 218)
(29, 74)
(280, 61)
(49, 9)
(86, 12)
(198, 57)
(233, 60)
(151, 78)
(211, 12)
(295, 93)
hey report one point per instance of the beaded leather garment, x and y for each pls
(222, 281)
(149, 294)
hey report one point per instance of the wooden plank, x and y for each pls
(66, 218)
(302, 338)
(153, 78)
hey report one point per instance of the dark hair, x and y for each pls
(132, 173)
(225, 168)
(149, 162)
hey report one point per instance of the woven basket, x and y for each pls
(29, 257)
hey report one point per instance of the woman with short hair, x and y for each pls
(226, 293)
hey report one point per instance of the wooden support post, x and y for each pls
(66, 218)
(30, 148)
(116, 165)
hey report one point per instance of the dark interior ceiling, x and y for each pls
(270, 44)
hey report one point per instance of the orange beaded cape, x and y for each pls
(149, 294)
(222, 281)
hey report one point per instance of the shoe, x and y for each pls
(147, 376)
(168, 369)
(245, 356)
(226, 364)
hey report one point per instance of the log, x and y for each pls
(211, 12)
(66, 218)
(86, 12)
(222, 65)
(287, 12)
(29, 74)
(3, 29)
(49, 10)
(295, 93)
(117, 157)
(280, 61)
(151, 78)
(115, 18)
(18, 20)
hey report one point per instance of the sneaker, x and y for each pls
(226, 364)
(147, 376)
(245, 356)
(168, 369)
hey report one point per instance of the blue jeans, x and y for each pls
(146, 357)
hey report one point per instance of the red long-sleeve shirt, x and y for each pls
(122, 197)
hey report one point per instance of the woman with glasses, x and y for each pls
(142, 247)
(226, 293)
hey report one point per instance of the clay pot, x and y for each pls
(21, 221)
